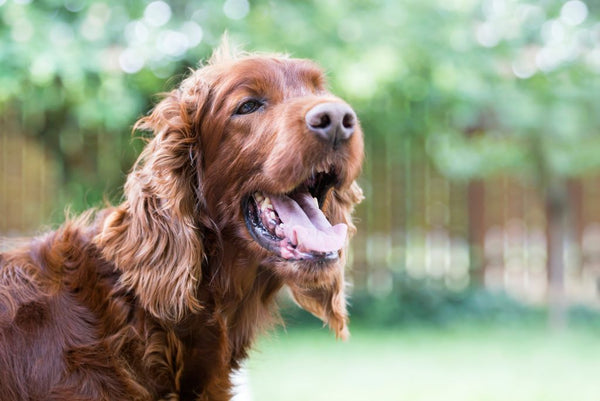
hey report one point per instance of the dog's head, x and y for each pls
(253, 152)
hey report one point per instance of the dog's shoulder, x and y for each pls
(43, 267)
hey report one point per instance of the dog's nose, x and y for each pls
(333, 122)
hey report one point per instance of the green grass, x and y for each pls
(464, 364)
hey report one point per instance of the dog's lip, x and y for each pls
(280, 246)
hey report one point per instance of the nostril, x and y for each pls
(320, 121)
(348, 121)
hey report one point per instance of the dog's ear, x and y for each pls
(155, 237)
(327, 301)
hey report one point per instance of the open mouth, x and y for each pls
(293, 225)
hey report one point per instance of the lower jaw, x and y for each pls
(306, 273)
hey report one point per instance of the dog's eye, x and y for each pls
(249, 106)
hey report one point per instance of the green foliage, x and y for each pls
(483, 86)
(417, 301)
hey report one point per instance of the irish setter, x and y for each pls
(246, 186)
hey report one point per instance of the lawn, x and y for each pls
(463, 364)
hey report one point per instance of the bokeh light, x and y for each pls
(236, 9)
(157, 13)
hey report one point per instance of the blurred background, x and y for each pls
(476, 269)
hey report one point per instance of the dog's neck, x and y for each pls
(233, 314)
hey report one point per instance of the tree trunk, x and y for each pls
(556, 214)
(476, 216)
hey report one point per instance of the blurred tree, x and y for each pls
(529, 108)
(79, 73)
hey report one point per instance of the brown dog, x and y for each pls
(247, 186)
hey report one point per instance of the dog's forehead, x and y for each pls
(263, 74)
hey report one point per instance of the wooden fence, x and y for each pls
(414, 220)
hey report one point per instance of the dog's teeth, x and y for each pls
(322, 169)
(316, 202)
(266, 203)
(258, 196)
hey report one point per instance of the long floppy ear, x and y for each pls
(328, 300)
(155, 237)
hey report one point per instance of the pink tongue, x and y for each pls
(306, 226)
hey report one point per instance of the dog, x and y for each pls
(246, 185)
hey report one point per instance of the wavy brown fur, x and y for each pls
(161, 296)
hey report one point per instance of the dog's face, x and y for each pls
(253, 159)
(280, 156)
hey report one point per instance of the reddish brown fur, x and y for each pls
(161, 296)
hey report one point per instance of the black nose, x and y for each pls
(333, 122)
